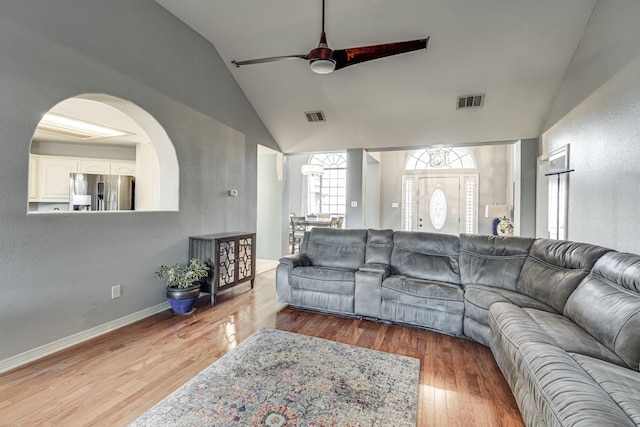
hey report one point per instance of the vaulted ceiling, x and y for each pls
(516, 52)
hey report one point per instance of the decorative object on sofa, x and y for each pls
(232, 257)
(505, 228)
(277, 378)
(498, 213)
(182, 287)
(324, 60)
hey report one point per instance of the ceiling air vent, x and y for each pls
(315, 116)
(470, 101)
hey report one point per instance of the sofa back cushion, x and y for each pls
(492, 260)
(554, 268)
(379, 245)
(333, 247)
(607, 305)
(429, 256)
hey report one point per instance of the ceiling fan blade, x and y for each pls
(270, 59)
(356, 55)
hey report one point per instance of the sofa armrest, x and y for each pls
(383, 269)
(283, 275)
(296, 260)
(368, 291)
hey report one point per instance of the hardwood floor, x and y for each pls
(110, 380)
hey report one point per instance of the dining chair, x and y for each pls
(296, 232)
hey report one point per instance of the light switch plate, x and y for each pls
(395, 205)
(354, 204)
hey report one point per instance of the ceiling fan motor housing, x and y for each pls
(321, 58)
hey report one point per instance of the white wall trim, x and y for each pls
(61, 344)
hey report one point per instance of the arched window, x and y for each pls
(327, 190)
(440, 158)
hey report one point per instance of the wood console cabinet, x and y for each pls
(231, 257)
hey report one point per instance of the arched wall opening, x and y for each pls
(137, 135)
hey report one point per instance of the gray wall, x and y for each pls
(597, 112)
(294, 182)
(525, 188)
(372, 192)
(57, 270)
(354, 215)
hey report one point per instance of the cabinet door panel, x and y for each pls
(94, 166)
(54, 178)
(123, 168)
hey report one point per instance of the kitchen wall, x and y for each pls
(57, 270)
(597, 113)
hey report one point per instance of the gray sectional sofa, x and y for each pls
(561, 318)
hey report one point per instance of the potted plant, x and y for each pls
(183, 288)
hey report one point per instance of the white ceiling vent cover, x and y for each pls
(470, 101)
(315, 116)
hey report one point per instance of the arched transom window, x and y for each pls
(327, 191)
(440, 158)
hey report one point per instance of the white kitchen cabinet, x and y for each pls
(49, 175)
(123, 168)
(33, 178)
(94, 166)
(53, 178)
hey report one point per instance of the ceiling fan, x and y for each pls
(324, 60)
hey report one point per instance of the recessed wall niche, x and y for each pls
(97, 136)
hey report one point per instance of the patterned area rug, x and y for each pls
(276, 378)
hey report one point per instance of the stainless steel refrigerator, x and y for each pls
(94, 192)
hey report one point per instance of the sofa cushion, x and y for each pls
(622, 384)
(492, 260)
(571, 337)
(556, 385)
(554, 268)
(323, 288)
(563, 392)
(477, 301)
(419, 288)
(332, 247)
(379, 245)
(429, 256)
(607, 305)
(324, 279)
(431, 304)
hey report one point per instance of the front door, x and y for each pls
(439, 204)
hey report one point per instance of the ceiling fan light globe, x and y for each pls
(322, 66)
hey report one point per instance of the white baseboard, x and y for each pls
(61, 344)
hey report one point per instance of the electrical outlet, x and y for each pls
(116, 291)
